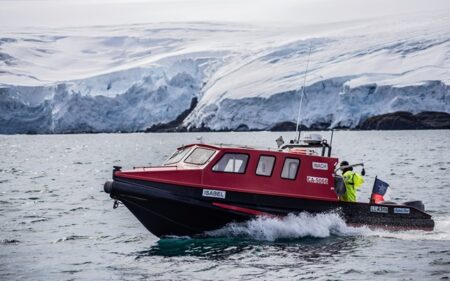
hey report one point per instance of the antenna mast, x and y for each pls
(302, 94)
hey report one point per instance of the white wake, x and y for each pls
(290, 227)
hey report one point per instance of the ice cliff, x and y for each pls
(222, 76)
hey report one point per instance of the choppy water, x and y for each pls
(58, 224)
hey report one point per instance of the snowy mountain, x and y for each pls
(221, 75)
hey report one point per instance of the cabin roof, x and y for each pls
(242, 148)
(226, 145)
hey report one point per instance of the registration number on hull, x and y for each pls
(379, 209)
(214, 193)
(317, 180)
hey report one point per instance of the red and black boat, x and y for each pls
(204, 187)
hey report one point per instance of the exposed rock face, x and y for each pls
(407, 121)
(283, 126)
(400, 120)
(435, 120)
(290, 126)
(174, 126)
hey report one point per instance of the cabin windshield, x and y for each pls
(177, 155)
(200, 156)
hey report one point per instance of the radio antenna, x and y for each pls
(302, 94)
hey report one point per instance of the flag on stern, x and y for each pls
(378, 191)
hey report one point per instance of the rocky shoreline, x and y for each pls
(401, 120)
(407, 121)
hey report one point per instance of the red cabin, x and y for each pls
(296, 172)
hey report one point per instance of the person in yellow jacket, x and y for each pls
(352, 182)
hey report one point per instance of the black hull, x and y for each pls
(171, 218)
(180, 210)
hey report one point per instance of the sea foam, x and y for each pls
(289, 227)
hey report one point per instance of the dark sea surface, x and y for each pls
(58, 224)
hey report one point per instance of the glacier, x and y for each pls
(222, 76)
(127, 101)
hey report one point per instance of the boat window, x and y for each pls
(265, 165)
(290, 168)
(177, 155)
(199, 156)
(232, 163)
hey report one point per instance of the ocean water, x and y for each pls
(57, 223)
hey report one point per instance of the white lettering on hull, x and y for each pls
(317, 180)
(320, 166)
(379, 209)
(405, 211)
(214, 193)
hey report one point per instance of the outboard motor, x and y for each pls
(416, 204)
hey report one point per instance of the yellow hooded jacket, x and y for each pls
(352, 182)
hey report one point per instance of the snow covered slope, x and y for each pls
(128, 78)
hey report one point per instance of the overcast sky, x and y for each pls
(56, 13)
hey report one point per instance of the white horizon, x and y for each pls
(71, 13)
